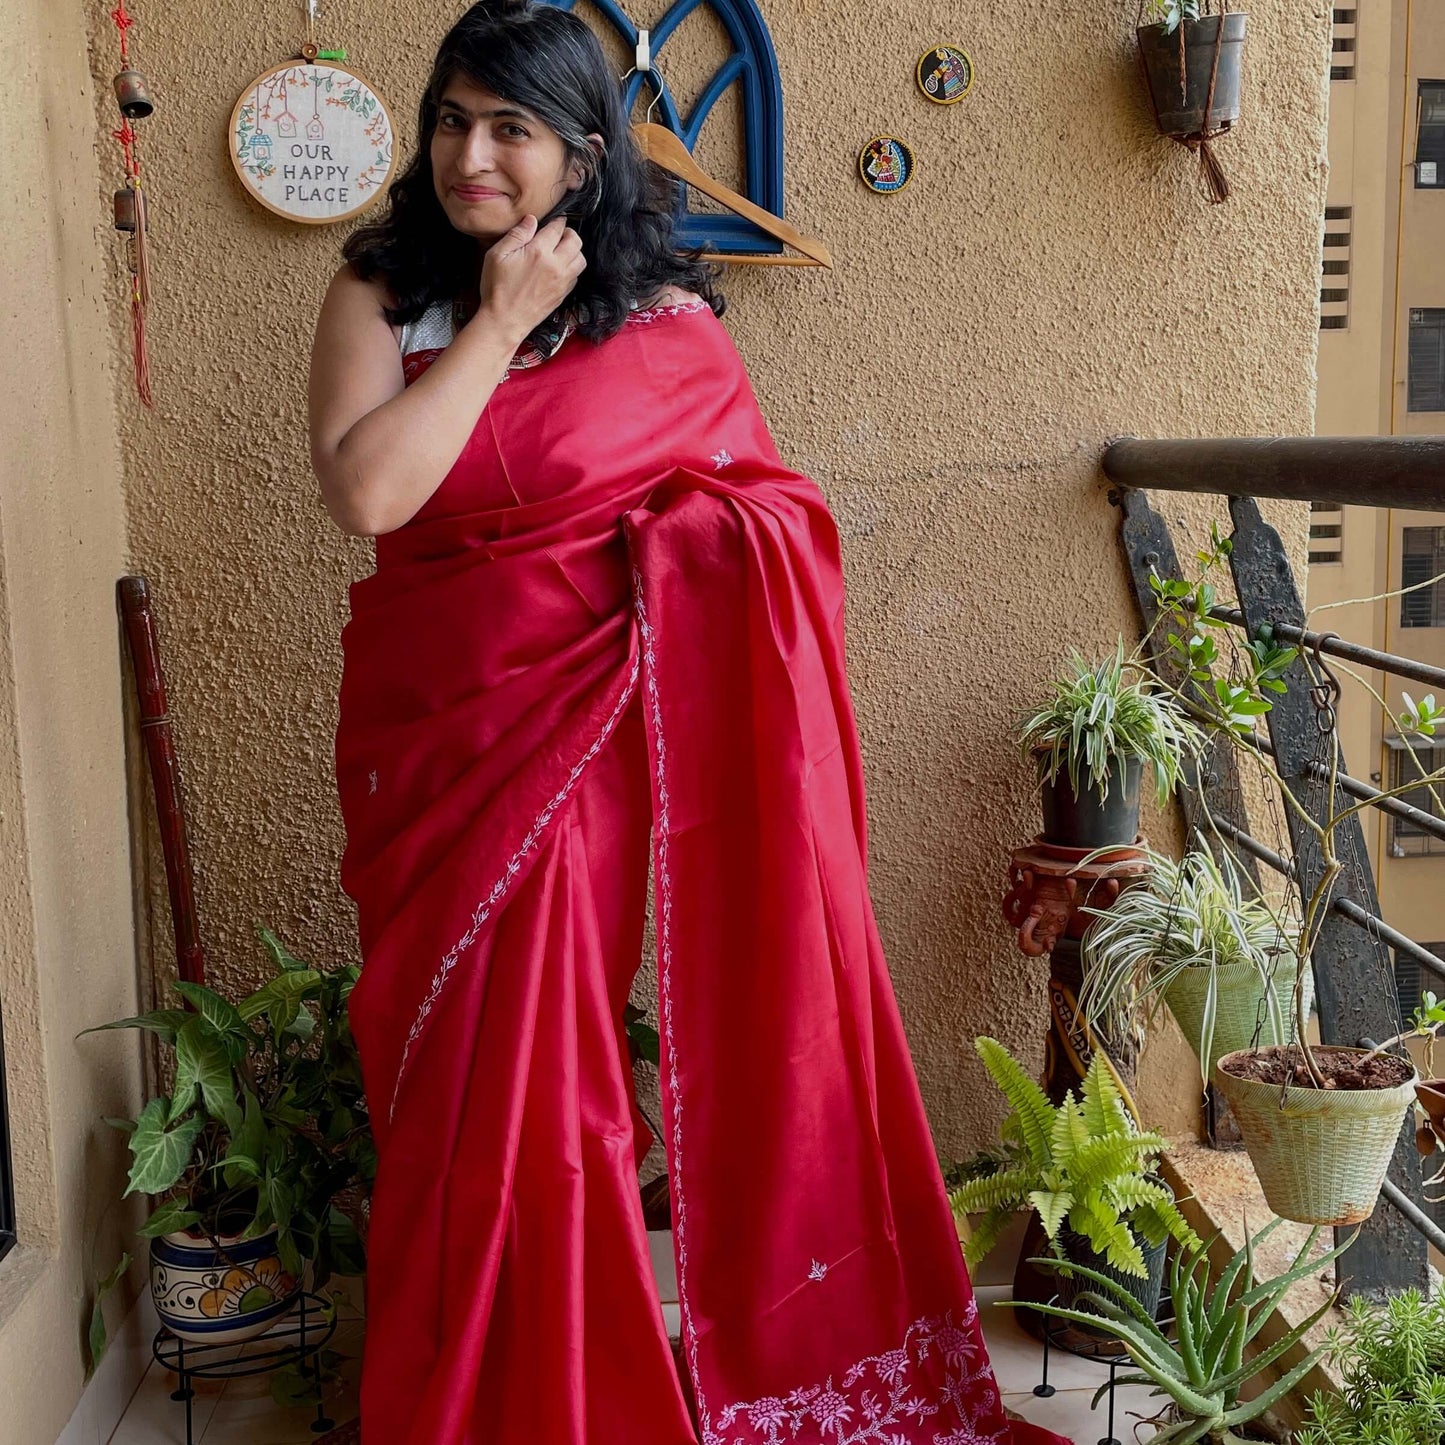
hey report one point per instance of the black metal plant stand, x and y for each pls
(297, 1340)
(1059, 1335)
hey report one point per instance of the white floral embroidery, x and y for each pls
(499, 889)
(661, 828)
(879, 1400)
(720, 460)
(880, 1394)
(818, 1271)
(371, 778)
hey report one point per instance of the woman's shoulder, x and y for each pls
(350, 293)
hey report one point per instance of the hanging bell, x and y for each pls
(133, 95)
(126, 210)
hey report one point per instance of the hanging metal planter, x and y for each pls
(1193, 67)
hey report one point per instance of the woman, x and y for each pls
(602, 610)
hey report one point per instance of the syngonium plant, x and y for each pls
(1083, 1164)
(1204, 1370)
(265, 1124)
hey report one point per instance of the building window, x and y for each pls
(1326, 532)
(1342, 45)
(1422, 558)
(1406, 766)
(1430, 136)
(1426, 365)
(1335, 270)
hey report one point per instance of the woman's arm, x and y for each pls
(380, 448)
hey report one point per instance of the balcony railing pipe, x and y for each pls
(1400, 942)
(1396, 807)
(1253, 846)
(1355, 471)
(1390, 662)
(1414, 1215)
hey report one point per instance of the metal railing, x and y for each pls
(1353, 1007)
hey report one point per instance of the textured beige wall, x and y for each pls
(1050, 278)
(67, 954)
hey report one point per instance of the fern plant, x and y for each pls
(1203, 1371)
(1083, 1164)
(1101, 714)
(1392, 1364)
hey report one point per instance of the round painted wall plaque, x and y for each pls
(945, 74)
(312, 142)
(886, 164)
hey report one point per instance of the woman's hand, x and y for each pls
(529, 273)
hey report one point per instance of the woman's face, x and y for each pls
(494, 161)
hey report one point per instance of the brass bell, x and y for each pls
(133, 95)
(127, 212)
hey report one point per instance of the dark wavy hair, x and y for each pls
(549, 61)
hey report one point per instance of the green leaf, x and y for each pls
(96, 1335)
(219, 1013)
(282, 959)
(160, 1155)
(202, 1060)
(172, 1216)
(161, 1021)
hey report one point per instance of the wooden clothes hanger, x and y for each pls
(663, 148)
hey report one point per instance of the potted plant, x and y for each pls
(1391, 1361)
(1192, 65)
(1202, 1370)
(264, 1127)
(1430, 1091)
(1102, 725)
(1087, 1169)
(1322, 1156)
(1193, 936)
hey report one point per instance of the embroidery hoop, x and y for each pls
(248, 95)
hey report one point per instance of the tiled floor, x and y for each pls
(238, 1411)
(242, 1412)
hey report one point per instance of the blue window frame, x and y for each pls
(753, 63)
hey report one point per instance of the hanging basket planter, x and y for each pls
(1321, 1154)
(1239, 992)
(1193, 71)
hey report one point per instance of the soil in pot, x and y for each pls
(1353, 1069)
(1086, 819)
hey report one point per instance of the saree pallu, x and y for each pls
(619, 619)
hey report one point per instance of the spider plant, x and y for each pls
(1102, 714)
(1203, 1371)
(1196, 920)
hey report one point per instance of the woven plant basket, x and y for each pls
(1237, 1007)
(1322, 1157)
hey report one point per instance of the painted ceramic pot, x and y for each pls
(211, 1296)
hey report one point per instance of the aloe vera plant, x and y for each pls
(1203, 1371)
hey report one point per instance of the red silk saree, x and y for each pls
(616, 630)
